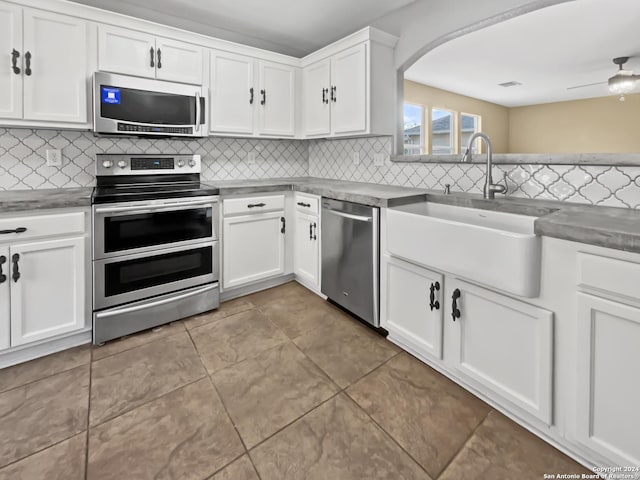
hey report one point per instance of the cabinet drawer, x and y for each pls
(42, 226)
(309, 204)
(617, 277)
(270, 203)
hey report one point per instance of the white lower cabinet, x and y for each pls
(253, 248)
(608, 343)
(412, 306)
(306, 259)
(48, 298)
(502, 346)
(5, 306)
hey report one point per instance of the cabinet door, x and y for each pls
(126, 51)
(10, 39)
(277, 99)
(349, 99)
(306, 258)
(407, 309)
(56, 88)
(607, 342)
(316, 82)
(5, 311)
(178, 61)
(233, 95)
(502, 346)
(49, 297)
(253, 248)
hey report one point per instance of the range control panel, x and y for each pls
(115, 164)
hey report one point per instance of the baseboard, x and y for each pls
(254, 287)
(24, 353)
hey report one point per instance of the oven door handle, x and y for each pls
(152, 208)
(157, 303)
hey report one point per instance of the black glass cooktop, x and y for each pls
(151, 191)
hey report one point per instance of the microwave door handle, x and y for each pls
(197, 111)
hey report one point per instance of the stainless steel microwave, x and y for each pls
(138, 106)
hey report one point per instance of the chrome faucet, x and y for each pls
(490, 188)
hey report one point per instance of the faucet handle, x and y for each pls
(447, 188)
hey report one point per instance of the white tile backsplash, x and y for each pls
(597, 185)
(23, 165)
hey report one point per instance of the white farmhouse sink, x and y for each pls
(495, 249)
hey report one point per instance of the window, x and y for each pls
(469, 124)
(413, 129)
(442, 131)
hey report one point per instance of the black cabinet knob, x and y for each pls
(151, 57)
(16, 268)
(455, 311)
(284, 224)
(3, 277)
(27, 68)
(14, 61)
(433, 303)
(159, 54)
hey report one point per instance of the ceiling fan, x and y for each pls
(624, 81)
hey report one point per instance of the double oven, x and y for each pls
(155, 244)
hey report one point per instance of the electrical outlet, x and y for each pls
(54, 158)
(356, 158)
(378, 159)
(251, 158)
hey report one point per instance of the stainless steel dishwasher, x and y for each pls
(350, 257)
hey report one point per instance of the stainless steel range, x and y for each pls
(155, 243)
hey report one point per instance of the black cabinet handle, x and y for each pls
(3, 277)
(455, 311)
(254, 205)
(334, 97)
(16, 271)
(27, 59)
(315, 231)
(264, 97)
(14, 61)
(324, 95)
(159, 54)
(284, 225)
(433, 303)
(310, 231)
(251, 96)
(15, 230)
(302, 204)
(151, 57)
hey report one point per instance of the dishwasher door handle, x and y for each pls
(351, 216)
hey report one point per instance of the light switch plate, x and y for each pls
(251, 158)
(54, 158)
(378, 159)
(356, 158)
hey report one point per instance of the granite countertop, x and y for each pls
(17, 200)
(358, 192)
(609, 227)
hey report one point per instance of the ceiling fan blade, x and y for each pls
(587, 85)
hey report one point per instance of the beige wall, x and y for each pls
(495, 118)
(594, 125)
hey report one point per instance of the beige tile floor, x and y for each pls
(279, 385)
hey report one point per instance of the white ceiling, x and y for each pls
(291, 27)
(547, 51)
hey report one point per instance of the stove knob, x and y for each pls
(107, 163)
(192, 163)
(122, 164)
(180, 163)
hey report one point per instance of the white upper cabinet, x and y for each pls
(178, 61)
(131, 52)
(277, 99)
(232, 93)
(55, 67)
(47, 66)
(316, 82)
(251, 97)
(11, 48)
(349, 87)
(348, 93)
(126, 51)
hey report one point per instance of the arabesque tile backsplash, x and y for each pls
(23, 165)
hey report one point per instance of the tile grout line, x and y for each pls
(86, 449)
(448, 464)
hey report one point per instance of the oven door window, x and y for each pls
(128, 232)
(131, 275)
